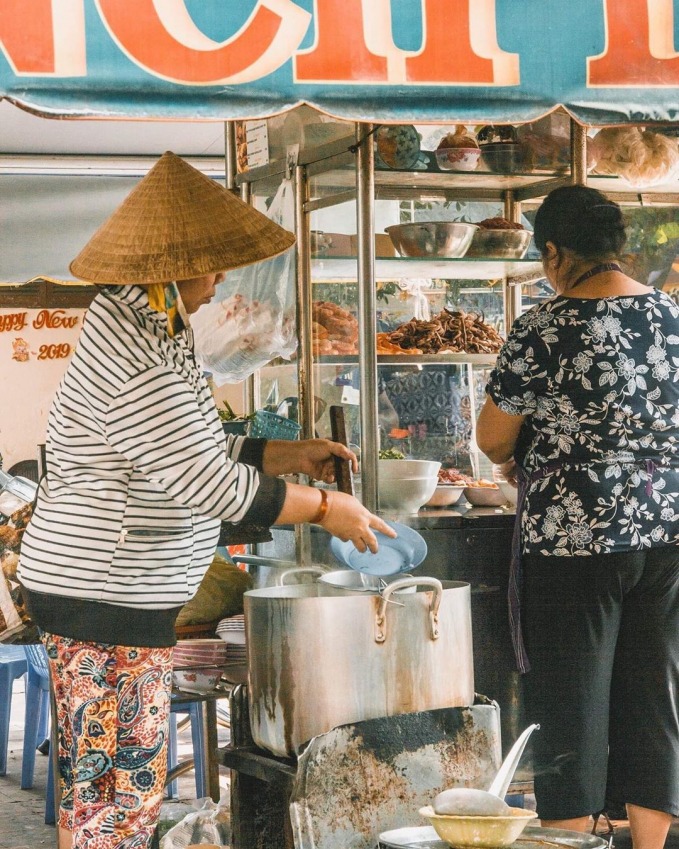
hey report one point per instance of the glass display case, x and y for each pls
(355, 290)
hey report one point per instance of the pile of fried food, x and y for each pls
(334, 329)
(459, 138)
(499, 223)
(10, 540)
(451, 330)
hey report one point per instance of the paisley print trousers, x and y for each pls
(113, 706)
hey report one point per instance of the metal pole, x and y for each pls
(512, 294)
(367, 361)
(230, 160)
(250, 401)
(578, 153)
(305, 363)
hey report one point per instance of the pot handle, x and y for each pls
(258, 560)
(403, 583)
(299, 570)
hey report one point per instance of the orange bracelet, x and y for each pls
(322, 510)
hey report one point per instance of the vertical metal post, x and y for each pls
(230, 157)
(250, 401)
(365, 214)
(578, 153)
(305, 373)
(305, 363)
(512, 294)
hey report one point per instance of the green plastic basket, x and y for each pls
(272, 426)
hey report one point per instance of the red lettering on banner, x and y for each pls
(340, 53)
(52, 319)
(639, 47)
(165, 41)
(26, 36)
(447, 55)
(12, 322)
(460, 46)
(354, 44)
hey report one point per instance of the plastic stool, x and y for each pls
(195, 712)
(12, 666)
(36, 722)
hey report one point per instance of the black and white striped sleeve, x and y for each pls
(156, 423)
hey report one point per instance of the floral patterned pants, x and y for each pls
(113, 705)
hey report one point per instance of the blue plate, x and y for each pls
(401, 554)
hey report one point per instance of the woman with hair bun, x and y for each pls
(582, 409)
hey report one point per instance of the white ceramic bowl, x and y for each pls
(484, 496)
(196, 680)
(458, 158)
(405, 495)
(445, 495)
(406, 469)
(465, 832)
(509, 491)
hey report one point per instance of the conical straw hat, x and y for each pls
(177, 224)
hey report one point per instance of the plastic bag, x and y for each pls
(210, 824)
(640, 157)
(252, 318)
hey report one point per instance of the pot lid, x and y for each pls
(404, 552)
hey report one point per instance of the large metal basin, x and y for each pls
(317, 662)
(432, 238)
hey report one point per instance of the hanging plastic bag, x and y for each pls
(251, 320)
(210, 825)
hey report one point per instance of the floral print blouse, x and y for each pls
(598, 380)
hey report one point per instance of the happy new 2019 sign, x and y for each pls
(607, 61)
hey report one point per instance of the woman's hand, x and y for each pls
(508, 471)
(313, 457)
(345, 516)
(348, 519)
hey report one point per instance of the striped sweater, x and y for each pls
(139, 475)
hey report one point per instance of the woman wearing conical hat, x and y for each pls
(139, 477)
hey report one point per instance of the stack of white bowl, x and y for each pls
(406, 485)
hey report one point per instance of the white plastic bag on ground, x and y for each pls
(210, 824)
(251, 320)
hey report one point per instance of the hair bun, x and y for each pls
(605, 213)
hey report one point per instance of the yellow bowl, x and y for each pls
(465, 832)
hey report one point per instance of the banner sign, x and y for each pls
(606, 61)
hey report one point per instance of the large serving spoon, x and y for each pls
(467, 801)
(503, 779)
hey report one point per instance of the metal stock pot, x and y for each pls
(317, 661)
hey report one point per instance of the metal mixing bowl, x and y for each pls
(432, 238)
(500, 244)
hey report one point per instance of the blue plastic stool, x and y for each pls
(36, 722)
(195, 712)
(12, 666)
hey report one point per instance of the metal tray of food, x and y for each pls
(425, 837)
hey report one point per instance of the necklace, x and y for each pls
(597, 269)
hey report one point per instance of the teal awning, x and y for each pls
(367, 60)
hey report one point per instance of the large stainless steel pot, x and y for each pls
(316, 662)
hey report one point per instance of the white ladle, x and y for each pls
(503, 779)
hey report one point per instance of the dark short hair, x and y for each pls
(581, 219)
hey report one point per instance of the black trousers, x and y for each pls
(602, 635)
